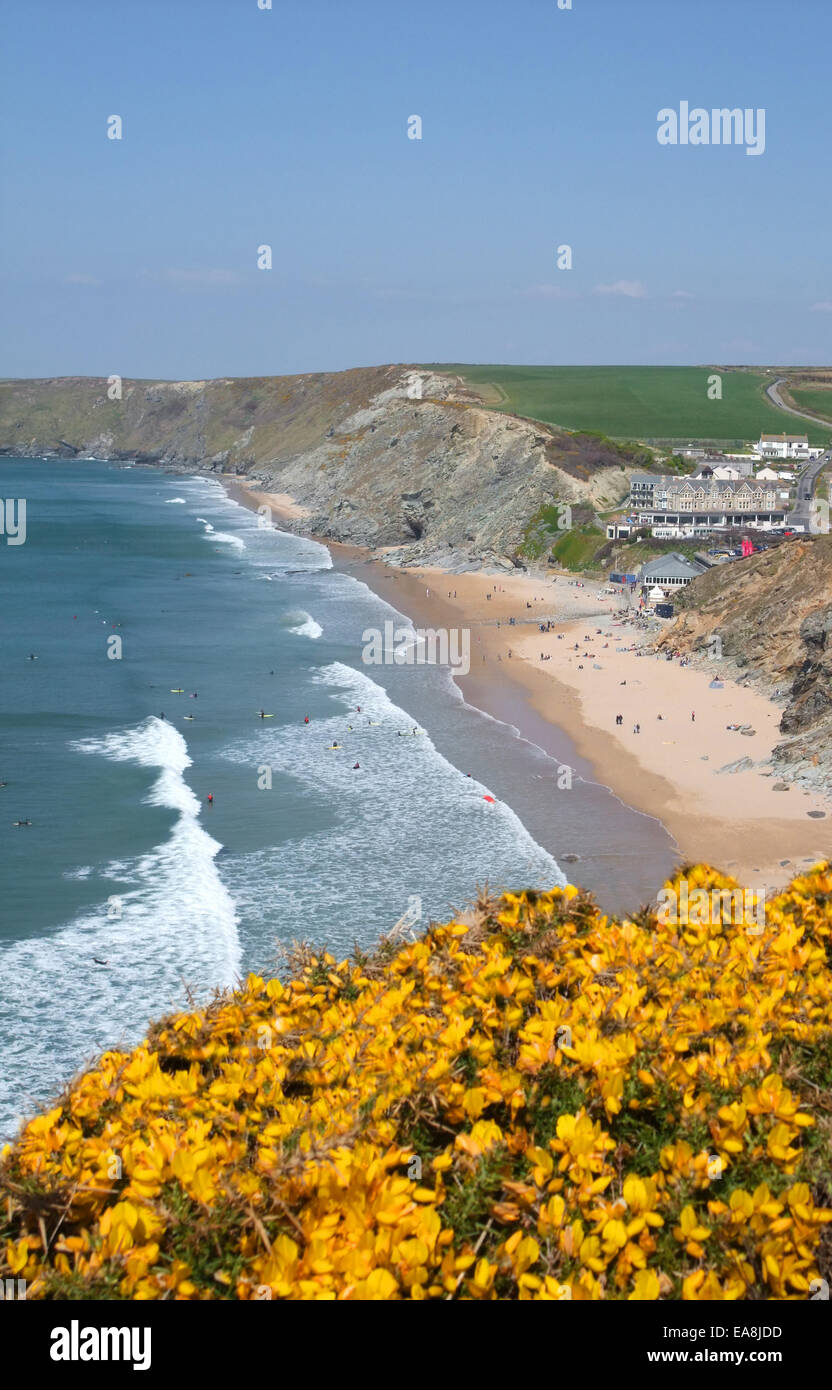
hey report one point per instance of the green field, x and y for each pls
(646, 403)
(818, 401)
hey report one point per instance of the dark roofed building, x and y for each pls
(671, 571)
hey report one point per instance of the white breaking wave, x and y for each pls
(405, 824)
(224, 536)
(172, 500)
(300, 554)
(303, 624)
(168, 924)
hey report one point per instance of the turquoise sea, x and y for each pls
(162, 616)
(125, 861)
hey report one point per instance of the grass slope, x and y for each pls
(817, 401)
(541, 1104)
(661, 403)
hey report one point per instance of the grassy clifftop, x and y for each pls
(666, 403)
(544, 1104)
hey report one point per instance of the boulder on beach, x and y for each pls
(741, 765)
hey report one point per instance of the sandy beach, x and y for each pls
(584, 672)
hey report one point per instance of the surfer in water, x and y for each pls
(306, 719)
(210, 798)
(355, 766)
(262, 714)
(162, 714)
(22, 822)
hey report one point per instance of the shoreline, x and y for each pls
(735, 821)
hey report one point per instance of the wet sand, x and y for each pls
(567, 706)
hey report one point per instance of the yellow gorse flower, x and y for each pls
(513, 1108)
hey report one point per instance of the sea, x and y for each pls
(177, 839)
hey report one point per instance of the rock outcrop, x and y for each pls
(770, 619)
(394, 457)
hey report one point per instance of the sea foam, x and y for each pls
(167, 926)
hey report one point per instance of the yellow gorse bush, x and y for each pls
(546, 1104)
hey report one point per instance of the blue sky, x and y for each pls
(288, 127)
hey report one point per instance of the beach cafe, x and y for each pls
(672, 571)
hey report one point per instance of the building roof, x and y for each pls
(672, 566)
(785, 438)
(719, 484)
(680, 482)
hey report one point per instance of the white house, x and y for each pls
(772, 475)
(786, 446)
(723, 472)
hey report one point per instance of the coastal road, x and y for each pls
(776, 399)
(801, 514)
(802, 511)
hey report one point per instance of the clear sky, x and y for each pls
(289, 127)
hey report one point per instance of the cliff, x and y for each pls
(433, 474)
(538, 1104)
(772, 616)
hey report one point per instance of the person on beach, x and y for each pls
(693, 716)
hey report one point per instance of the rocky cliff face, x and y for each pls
(387, 456)
(772, 616)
